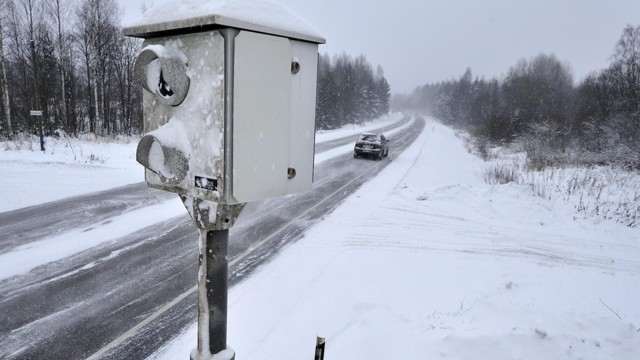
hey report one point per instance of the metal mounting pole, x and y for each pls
(212, 296)
(213, 307)
(213, 276)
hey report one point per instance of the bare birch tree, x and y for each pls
(96, 31)
(3, 75)
(60, 11)
(32, 12)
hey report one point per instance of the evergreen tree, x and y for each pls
(349, 92)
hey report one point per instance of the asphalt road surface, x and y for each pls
(125, 298)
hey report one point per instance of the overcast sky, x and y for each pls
(425, 41)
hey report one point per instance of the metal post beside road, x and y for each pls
(320, 343)
(38, 113)
(212, 305)
(213, 222)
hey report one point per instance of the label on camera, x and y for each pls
(206, 183)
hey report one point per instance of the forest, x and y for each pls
(539, 108)
(70, 60)
(349, 92)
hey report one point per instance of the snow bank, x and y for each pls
(68, 167)
(352, 129)
(594, 192)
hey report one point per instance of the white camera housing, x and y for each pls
(229, 107)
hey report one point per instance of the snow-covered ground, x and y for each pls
(424, 261)
(605, 192)
(67, 167)
(427, 261)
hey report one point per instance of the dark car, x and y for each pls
(368, 144)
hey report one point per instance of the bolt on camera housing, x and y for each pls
(229, 102)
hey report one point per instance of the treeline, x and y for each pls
(538, 106)
(70, 60)
(349, 92)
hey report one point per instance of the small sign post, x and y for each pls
(39, 114)
(320, 344)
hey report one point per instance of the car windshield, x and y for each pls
(369, 137)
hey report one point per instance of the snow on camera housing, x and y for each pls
(229, 106)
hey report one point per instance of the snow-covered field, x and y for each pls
(604, 192)
(425, 261)
(67, 167)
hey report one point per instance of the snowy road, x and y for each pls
(76, 305)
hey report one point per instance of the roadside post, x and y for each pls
(38, 113)
(229, 116)
(320, 344)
